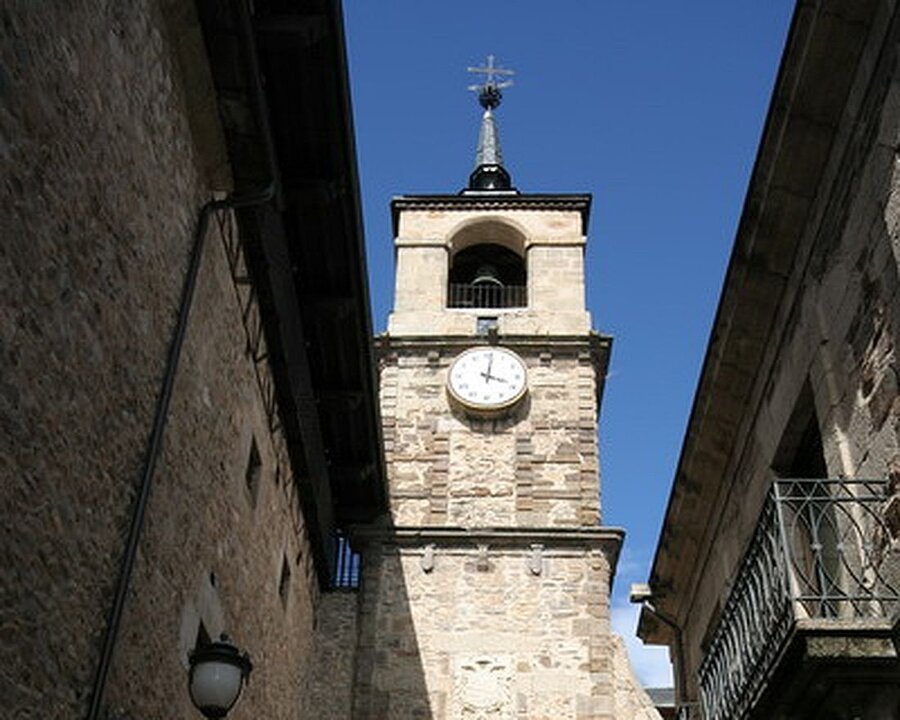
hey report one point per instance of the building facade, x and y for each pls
(188, 403)
(191, 433)
(776, 581)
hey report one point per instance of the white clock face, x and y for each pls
(487, 378)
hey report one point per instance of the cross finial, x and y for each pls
(489, 93)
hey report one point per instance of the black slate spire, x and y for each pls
(489, 174)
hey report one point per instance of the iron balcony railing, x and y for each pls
(486, 295)
(346, 566)
(817, 552)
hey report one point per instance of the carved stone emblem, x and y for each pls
(482, 688)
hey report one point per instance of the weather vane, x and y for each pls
(489, 93)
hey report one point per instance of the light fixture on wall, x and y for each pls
(217, 676)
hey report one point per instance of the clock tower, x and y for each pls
(485, 595)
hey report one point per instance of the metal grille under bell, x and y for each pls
(486, 295)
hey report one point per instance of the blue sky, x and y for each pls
(654, 107)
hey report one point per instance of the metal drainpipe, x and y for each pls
(159, 423)
(233, 201)
(681, 680)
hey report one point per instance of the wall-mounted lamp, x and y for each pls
(640, 593)
(217, 676)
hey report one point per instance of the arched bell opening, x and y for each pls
(487, 276)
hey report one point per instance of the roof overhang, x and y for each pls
(808, 121)
(305, 252)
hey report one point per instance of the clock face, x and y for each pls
(487, 378)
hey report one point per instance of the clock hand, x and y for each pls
(487, 375)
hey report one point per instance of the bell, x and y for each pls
(487, 275)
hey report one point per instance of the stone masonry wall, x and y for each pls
(331, 681)
(102, 181)
(840, 335)
(225, 541)
(536, 468)
(100, 191)
(495, 634)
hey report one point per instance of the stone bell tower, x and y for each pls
(486, 596)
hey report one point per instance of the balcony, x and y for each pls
(816, 595)
(345, 574)
(486, 295)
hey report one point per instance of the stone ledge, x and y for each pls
(557, 345)
(607, 539)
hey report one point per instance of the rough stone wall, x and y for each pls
(331, 687)
(490, 635)
(839, 333)
(225, 541)
(536, 468)
(100, 192)
(102, 181)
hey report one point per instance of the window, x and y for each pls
(800, 453)
(253, 472)
(811, 526)
(284, 581)
(487, 276)
(484, 325)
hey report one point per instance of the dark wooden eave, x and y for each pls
(305, 251)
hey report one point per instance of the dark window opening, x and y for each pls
(800, 453)
(484, 326)
(810, 524)
(284, 582)
(487, 276)
(253, 472)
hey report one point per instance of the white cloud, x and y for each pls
(650, 662)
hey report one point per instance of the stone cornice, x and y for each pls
(491, 201)
(593, 341)
(598, 344)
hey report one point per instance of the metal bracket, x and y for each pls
(427, 559)
(482, 564)
(535, 560)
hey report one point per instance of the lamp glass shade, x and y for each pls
(215, 685)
